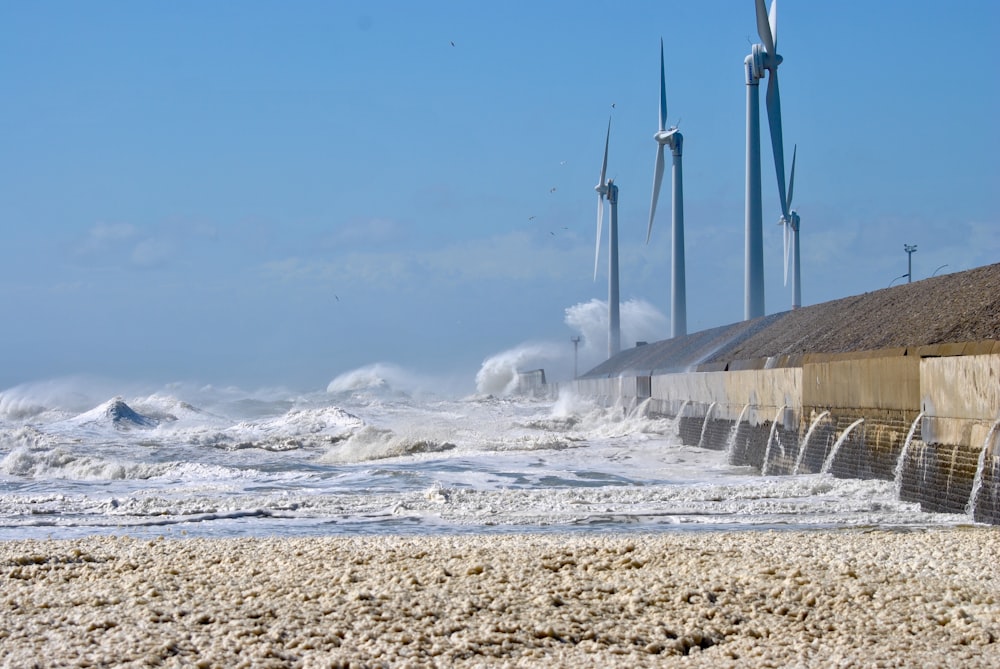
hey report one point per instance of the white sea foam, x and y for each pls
(232, 463)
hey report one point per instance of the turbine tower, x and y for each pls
(763, 58)
(791, 225)
(608, 189)
(672, 138)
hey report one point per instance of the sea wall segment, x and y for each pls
(929, 422)
(879, 380)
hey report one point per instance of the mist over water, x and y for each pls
(639, 320)
(499, 373)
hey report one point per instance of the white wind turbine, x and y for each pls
(791, 225)
(672, 138)
(608, 189)
(763, 58)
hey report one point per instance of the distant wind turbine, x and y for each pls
(608, 189)
(763, 58)
(791, 225)
(672, 138)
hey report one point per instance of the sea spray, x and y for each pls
(498, 374)
(379, 377)
(640, 321)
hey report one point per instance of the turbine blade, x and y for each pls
(600, 225)
(657, 180)
(772, 19)
(604, 165)
(791, 179)
(774, 120)
(764, 27)
(663, 91)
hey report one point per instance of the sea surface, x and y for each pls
(363, 457)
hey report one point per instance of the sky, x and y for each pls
(272, 193)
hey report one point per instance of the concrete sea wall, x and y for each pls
(926, 417)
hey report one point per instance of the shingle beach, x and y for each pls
(831, 598)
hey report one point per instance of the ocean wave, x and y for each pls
(62, 462)
(373, 443)
(297, 429)
(117, 414)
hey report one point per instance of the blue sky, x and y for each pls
(276, 193)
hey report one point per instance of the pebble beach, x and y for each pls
(830, 598)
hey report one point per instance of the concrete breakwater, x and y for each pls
(874, 386)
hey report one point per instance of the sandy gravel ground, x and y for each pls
(847, 598)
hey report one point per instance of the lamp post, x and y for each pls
(910, 250)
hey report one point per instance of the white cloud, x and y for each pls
(104, 236)
(371, 231)
(151, 253)
(113, 244)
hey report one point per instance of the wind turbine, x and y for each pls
(608, 190)
(672, 138)
(791, 225)
(763, 58)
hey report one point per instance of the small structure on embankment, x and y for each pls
(900, 384)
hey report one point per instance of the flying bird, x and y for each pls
(453, 44)
(552, 190)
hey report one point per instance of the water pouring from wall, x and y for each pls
(805, 441)
(680, 415)
(901, 462)
(977, 482)
(770, 440)
(731, 442)
(704, 425)
(836, 447)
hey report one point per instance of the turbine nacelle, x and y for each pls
(760, 61)
(669, 137)
(607, 189)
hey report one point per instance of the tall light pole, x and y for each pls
(576, 344)
(910, 250)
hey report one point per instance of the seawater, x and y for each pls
(366, 458)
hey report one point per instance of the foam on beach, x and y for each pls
(830, 598)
